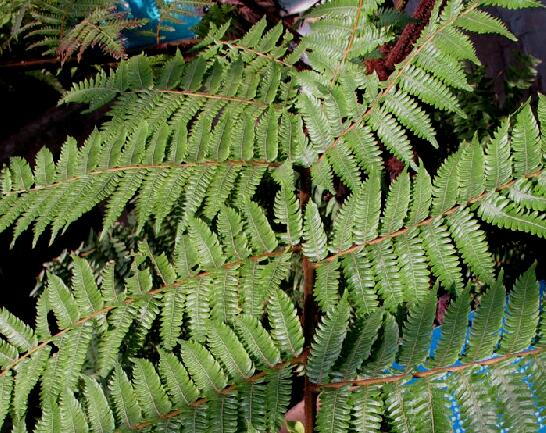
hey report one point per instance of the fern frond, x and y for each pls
(328, 339)
(285, 326)
(314, 236)
(417, 330)
(486, 323)
(453, 331)
(522, 317)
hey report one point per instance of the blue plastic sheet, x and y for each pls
(148, 9)
(455, 410)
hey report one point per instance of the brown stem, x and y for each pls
(432, 372)
(357, 247)
(309, 311)
(132, 299)
(226, 391)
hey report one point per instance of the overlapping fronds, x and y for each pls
(63, 27)
(385, 255)
(502, 377)
(226, 360)
(343, 128)
(101, 28)
(266, 155)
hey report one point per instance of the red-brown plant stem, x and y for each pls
(410, 34)
(309, 311)
(355, 384)
(226, 391)
(404, 44)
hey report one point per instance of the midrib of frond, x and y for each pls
(216, 96)
(430, 404)
(355, 248)
(145, 168)
(257, 53)
(297, 360)
(350, 42)
(395, 77)
(433, 372)
(134, 299)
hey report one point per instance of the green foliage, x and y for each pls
(262, 160)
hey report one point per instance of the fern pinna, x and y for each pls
(208, 335)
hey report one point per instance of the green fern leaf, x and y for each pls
(368, 210)
(397, 204)
(277, 397)
(512, 4)
(151, 396)
(62, 302)
(198, 294)
(99, 413)
(385, 354)
(16, 331)
(344, 165)
(392, 135)
(498, 162)
(387, 274)
(335, 413)
(358, 274)
(442, 254)
(203, 368)
(256, 340)
(454, 330)
(515, 397)
(328, 340)
(85, 288)
(110, 343)
(171, 317)
(481, 22)
(525, 143)
(73, 419)
(343, 224)
(206, 244)
(223, 411)
(445, 186)
(499, 211)
(486, 323)
(421, 196)
(523, 193)
(314, 236)
(6, 387)
(124, 397)
(410, 115)
(470, 172)
(414, 273)
(471, 242)
(522, 319)
(428, 89)
(287, 212)
(365, 149)
(252, 405)
(417, 332)
(398, 408)
(285, 327)
(367, 409)
(262, 236)
(326, 290)
(28, 375)
(179, 386)
(225, 346)
(358, 344)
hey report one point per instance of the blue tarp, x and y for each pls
(148, 9)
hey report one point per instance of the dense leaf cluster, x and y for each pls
(222, 146)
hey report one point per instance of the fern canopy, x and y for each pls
(263, 159)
